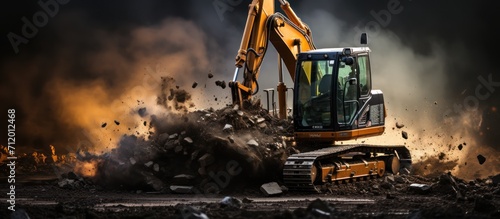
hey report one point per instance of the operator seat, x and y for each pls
(325, 84)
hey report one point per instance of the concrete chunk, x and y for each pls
(227, 128)
(182, 189)
(206, 160)
(149, 164)
(271, 189)
(132, 161)
(184, 176)
(259, 120)
(173, 136)
(420, 188)
(188, 140)
(252, 143)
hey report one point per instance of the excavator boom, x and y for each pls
(288, 34)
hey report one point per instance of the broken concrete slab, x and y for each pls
(148, 164)
(181, 189)
(188, 140)
(419, 188)
(184, 176)
(252, 143)
(206, 160)
(271, 189)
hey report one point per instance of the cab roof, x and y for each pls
(339, 50)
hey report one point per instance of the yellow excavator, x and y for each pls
(333, 100)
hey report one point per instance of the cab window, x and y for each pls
(364, 74)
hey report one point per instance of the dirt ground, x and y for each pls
(43, 195)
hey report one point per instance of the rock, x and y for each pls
(104, 125)
(460, 146)
(400, 179)
(271, 189)
(404, 135)
(184, 176)
(390, 179)
(154, 182)
(420, 188)
(441, 156)
(19, 214)
(206, 160)
(156, 167)
(182, 189)
(399, 125)
(194, 84)
(252, 143)
(202, 171)
(189, 212)
(231, 139)
(232, 202)
(117, 122)
(66, 183)
(148, 164)
(319, 209)
(227, 128)
(260, 120)
(481, 159)
(162, 138)
(221, 84)
(188, 140)
(132, 161)
(173, 136)
(210, 75)
(142, 112)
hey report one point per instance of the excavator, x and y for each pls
(333, 101)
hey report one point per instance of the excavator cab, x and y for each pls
(333, 98)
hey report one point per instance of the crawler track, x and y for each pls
(300, 169)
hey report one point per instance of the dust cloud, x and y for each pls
(86, 92)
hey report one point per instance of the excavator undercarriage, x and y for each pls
(317, 170)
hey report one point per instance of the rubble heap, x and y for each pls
(205, 151)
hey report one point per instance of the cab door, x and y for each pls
(364, 86)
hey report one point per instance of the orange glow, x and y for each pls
(493, 109)
(86, 169)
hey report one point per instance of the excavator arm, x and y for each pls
(289, 36)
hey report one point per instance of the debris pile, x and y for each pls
(205, 151)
